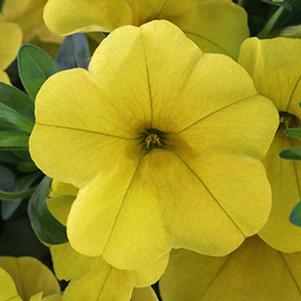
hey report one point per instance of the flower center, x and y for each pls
(288, 120)
(152, 138)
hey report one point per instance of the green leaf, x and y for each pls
(282, 3)
(27, 166)
(17, 100)
(8, 157)
(295, 216)
(13, 139)
(46, 227)
(23, 155)
(280, 18)
(15, 118)
(15, 196)
(74, 52)
(21, 184)
(35, 66)
(293, 133)
(291, 154)
(16, 109)
(7, 178)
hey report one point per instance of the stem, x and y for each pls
(269, 26)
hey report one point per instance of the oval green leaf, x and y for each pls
(35, 66)
(291, 154)
(21, 184)
(45, 226)
(17, 100)
(295, 216)
(293, 133)
(13, 117)
(74, 52)
(13, 139)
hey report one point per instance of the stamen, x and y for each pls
(151, 141)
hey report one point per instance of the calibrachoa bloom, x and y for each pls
(151, 134)
(28, 14)
(214, 25)
(253, 272)
(27, 279)
(10, 42)
(275, 66)
(91, 277)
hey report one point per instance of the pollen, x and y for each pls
(152, 141)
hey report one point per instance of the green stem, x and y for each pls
(269, 26)
(13, 196)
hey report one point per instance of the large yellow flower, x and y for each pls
(275, 66)
(27, 279)
(214, 25)
(164, 144)
(10, 42)
(91, 277)
(254, 272)
(28, 14)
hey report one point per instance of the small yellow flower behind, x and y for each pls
(25, 278)
(164, 145)
(91, 277)
(253, 272)
(214, 25)
(275, 66)
(28, 14)
(10, 42)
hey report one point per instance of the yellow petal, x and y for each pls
(253, 272)
(62, 189)
(39, 297)
(150, 274)
(223, 130)
(215, 25)
(60, 200)
(144, 294)
(63, 131)
(69, 264)
(4, 77)
(214, 189)
(8, 289)
(275, 67)
(110, 208)
(218, 26)
(53, 298)
(102, 283)
(30, 276)
(59, 206)
(183, 75)
(28, 14)
(284, 176)
(210, 78)
(10, 42)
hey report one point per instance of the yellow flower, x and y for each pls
(27, 279)
(253, 272)
(214, 25)
(164, 144)
(28, 14)
(91, 277)
(275, 66)
(10, 42)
